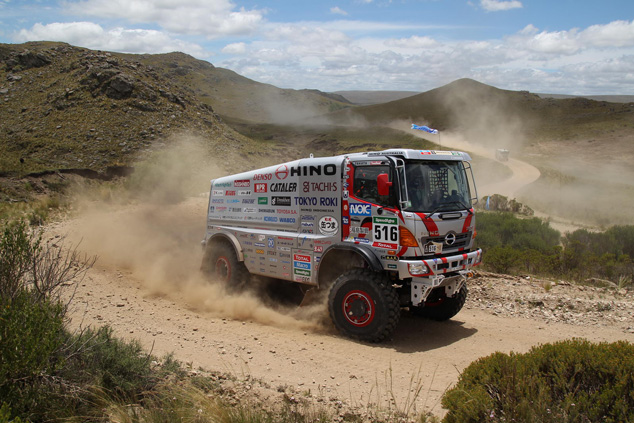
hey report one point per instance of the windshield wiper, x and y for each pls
(460, 203)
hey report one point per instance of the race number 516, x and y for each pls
(385, 229)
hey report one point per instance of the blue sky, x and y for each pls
(546, 46)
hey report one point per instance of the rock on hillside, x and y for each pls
(64, 107)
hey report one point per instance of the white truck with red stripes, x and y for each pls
(377, 231)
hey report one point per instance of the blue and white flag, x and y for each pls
(425, 128)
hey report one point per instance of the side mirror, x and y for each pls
(383, 184)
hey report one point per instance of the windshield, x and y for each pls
(436, 186)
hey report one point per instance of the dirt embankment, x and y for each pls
(146, 285)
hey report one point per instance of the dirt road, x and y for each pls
(146, 285)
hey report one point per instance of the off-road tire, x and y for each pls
(442, 307)
(222, 265)
(364, 305)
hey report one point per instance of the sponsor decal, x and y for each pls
(345, 195)
(318, 249)
(392, 266)
(217, 192)
(230, 193)
(260, 187)
(362, 240)
(302, 272)
(314, 170)
(287, 220)
(221, 208)
(259, 251)
(266, 210)
(248, 201)
(308, 224)
(328, 225)
(242, 183)
(281, 172)
(259, 244)
(212, 209)
(253, 218)
(319, 186)
(271, 253)
(284, 187)
(317, 201)
(250, 210)
(359, 230)
(287, 249)
(222, 184)
(390, 258)
(286, 211)
(271, 242)
(385, 245)
(345, 220)
(301, 265)
(360, 209)
(262, 177)
(261, 237)
(217, 200)
(281, 201)
(301, 257)
(244, 192)
(236, 209)
(232, 201)
(270, 218)
(263, 201)
(308, 217)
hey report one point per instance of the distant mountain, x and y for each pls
(367, 98)
(482, 113)
(609, 98)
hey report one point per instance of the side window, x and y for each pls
(365, 186)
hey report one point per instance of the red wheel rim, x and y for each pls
(223, 269)
(358, 308)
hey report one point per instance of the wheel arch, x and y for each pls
(226, 238)
(344, 256)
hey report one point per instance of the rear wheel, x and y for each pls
(221, 263)
(439, 307)
(364, 305)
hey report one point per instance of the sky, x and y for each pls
(581, 47)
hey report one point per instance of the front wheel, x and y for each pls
(221, 263)
(364, 305)
(439, 307)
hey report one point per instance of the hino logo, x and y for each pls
(450, 238)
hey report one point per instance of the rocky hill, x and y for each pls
(64, 107)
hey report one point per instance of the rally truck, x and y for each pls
(375, 231)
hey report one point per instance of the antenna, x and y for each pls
(311, 155)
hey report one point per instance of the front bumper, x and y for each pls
(450, 273)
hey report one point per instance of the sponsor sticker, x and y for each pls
(242, 183)
(360, 209)
(260, 187)
(281, 201)
(328, 226)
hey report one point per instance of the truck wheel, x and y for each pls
(221, 263)
(440, 307)
(364, 305)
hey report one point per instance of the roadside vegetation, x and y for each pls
(528, 245)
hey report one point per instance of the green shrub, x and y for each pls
(569, 381)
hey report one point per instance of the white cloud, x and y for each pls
(211, 18)
(338, 11)
(413, 42)
(500, 5)
(91, 35)
(235, 48)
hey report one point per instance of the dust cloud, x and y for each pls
(154, 234)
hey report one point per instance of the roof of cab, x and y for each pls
(416, 154)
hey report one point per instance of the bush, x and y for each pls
(569, 381)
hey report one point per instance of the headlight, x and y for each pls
(417, 269)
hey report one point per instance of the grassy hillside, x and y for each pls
(65, 107)
(238, 97)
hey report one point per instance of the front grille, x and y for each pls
(462, 241)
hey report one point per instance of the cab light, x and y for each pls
(417, 269)
(407, 238)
